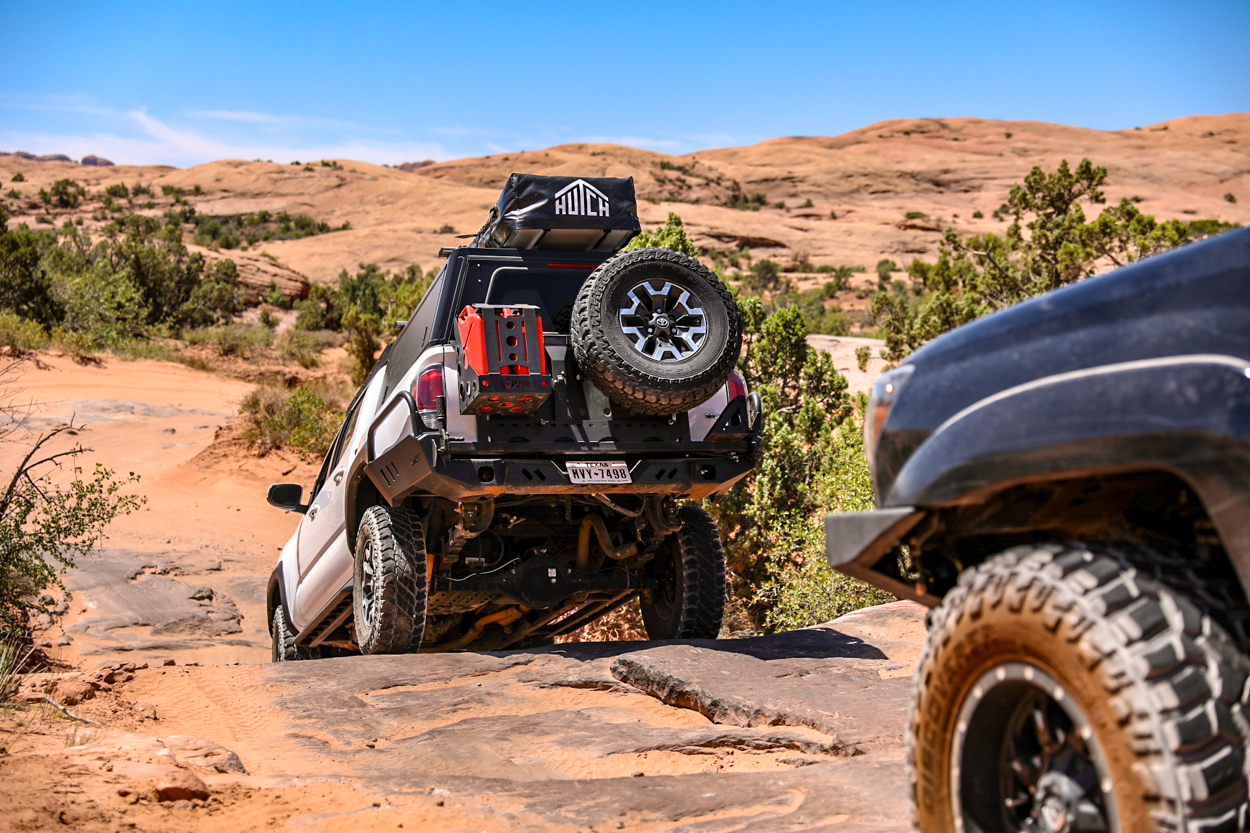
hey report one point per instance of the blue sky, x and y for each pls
(183, 83)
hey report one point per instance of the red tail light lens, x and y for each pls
(736, 385)
(426, 391)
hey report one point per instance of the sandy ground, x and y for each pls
(205, 522)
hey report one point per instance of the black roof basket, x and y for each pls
(562, 213)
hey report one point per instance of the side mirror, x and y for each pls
(287, 496)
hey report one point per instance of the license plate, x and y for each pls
(605, 472)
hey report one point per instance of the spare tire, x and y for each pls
(656, 331)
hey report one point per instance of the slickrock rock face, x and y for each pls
(800, 730)
(98, 161)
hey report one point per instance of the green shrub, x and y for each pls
(243, 340)
(1049, 244)
(808, 204)
(753, 203)
(14, 194)
(17, 177)
(64, 193)
(671, 235)
(301, 347)
(118, 190)
(273, 295)
(863, 354)
(1230, 197)
(916, 215)
(978, 215)
(446, 228)
(299, 419)
(19, 335)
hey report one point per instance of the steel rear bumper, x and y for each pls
(427, 463)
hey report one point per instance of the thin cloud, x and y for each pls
(162, 143)
(272, 119)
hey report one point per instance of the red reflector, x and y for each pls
(736, 386)
(429, 388)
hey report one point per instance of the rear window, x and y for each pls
(552, 290)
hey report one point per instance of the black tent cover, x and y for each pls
(592, 214)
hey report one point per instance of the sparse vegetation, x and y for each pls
(752, 203)
(64, 193)
(303, 419)
(365, 307)
(242, 340)
(446, 228)
(1048, 244)
(17, 177)
(671, 235)
(915, 215)
(863, 354)
(885, 267)
(134, 281)
(1229, 197)
(229, 231)
(977, 215)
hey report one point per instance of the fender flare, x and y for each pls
(1187, 415)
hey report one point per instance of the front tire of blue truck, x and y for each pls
(1081, 687)
(691, 601)
(389, 588)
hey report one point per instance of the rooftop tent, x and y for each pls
(562, 213)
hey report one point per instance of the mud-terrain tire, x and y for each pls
(643, 358)
(1155, 684)
(692, 561)
(284, 648)
(389, 582)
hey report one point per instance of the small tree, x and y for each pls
(671, 235)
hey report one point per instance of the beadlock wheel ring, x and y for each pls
(1020, 727)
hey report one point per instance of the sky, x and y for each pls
(184, 83)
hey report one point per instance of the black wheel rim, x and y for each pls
(1025, 758)
(665, 600)
(368, 584)
(663, 320)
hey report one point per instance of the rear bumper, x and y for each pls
(416, 465)
(862, 545)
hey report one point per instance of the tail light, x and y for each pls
(736, 385)
(426, 391)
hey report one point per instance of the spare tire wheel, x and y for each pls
(656, 331)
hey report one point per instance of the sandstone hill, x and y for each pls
(861, 185)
